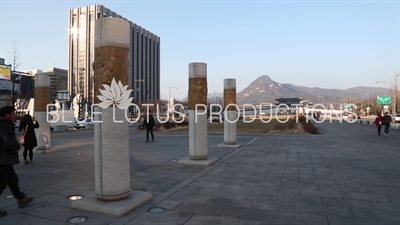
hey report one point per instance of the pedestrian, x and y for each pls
(149, 124)
(9, 147)
(386, 121)
(378, 123)
(28, 125)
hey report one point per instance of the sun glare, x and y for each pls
(74, 31)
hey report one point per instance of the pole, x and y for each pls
(368, 105)
(385, 94)
(230, 114)
(42, 98)
(12, 89)
(197, 99)
(395, 94)
(111, 136)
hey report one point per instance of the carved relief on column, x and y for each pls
(197, 93)
(230, 98)
(110, 62)
(42, 98)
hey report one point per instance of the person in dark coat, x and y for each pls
(386, 122)
(9, 147)
(149, 123)
(28, 126)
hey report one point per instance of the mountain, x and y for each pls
(215, 95)
(266, 90)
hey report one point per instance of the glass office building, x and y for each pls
(144, 72)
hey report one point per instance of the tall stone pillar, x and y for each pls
(197, 99)
(231, 114)
(42, 99)
(113, 194)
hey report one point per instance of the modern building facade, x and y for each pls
(15, 86)
(144, 71)
(23, 85)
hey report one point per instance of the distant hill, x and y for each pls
(266, 90)
(215, 95)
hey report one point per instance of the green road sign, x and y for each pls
(383, 100)
(347, 106)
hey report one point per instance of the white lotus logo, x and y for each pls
(116, 94)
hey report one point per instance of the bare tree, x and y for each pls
(54, 90)
(15, 58)
(396, 94)
(216, 101)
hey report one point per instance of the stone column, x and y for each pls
(198, 144)
(111, 136)
(230, 114)
(42, 99)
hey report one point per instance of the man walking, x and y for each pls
(9, 147)
(149, 123)
(386, 121)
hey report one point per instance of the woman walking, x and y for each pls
(378, 123)
(28, 125)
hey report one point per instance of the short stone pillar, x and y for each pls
(197, 103)
(230, 114)
(42, 99)
(113, 195)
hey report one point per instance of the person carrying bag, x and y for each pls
(28, 140)
(22, 138)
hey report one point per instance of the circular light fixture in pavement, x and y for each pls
(156, 210)
(75, 197)
(77, 219)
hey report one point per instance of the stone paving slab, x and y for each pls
(347, 175)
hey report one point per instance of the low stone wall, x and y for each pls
(61, 128)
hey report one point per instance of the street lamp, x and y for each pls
(368, 107)
(385, 88)
(169, 99)
(395, 94)
(361, 103)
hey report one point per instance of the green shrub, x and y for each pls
(280, 126)
(291, 124)
(168, 125)
(308, 127)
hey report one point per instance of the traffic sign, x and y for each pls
(347, 106)
(383, 100)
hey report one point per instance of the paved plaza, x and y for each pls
(347, 175)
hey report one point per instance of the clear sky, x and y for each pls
(328, 44)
